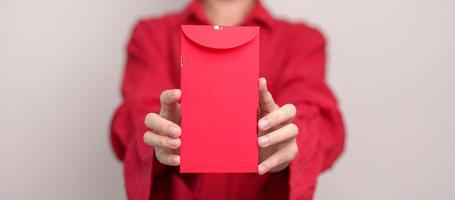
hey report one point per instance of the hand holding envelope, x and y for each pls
(218, 116)
(277, 132)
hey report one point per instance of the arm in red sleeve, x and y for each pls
(321, 135)
(144, 79)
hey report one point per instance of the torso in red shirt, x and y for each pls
(292, 58)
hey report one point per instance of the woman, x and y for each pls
(301, 130)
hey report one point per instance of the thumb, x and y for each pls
(266, 101)
(170, 109)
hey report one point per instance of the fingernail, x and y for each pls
(264, 83)
(174, 142)
(262, 170)
(264, 141)
(264, 124)
(174, 131)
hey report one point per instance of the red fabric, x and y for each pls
(293, 61)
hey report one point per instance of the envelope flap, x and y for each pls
(220, 37)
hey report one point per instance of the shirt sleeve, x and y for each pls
(321, 129)
(142, 84)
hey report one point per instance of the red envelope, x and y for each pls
(219, 82)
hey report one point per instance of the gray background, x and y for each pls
(391, 64)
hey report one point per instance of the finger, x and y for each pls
(162, 126)
(167, 158)
(279, 158)
(169, 100)
(284, 133)
(157, 140)
(266, 102)
(278, 116)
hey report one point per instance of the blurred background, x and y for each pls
(391, 64)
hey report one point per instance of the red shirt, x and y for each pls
(293, 61)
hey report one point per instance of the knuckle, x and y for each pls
(171, 160)
(275, 116)
(154, 139)
(163, 142)
(159, 157)
(272, 163)
(161, 160)
(164, 126)
(163, 95)
(273, 138)
(279, 161)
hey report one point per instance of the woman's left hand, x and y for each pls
(277, 134)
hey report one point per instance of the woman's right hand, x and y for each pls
(165, 131)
